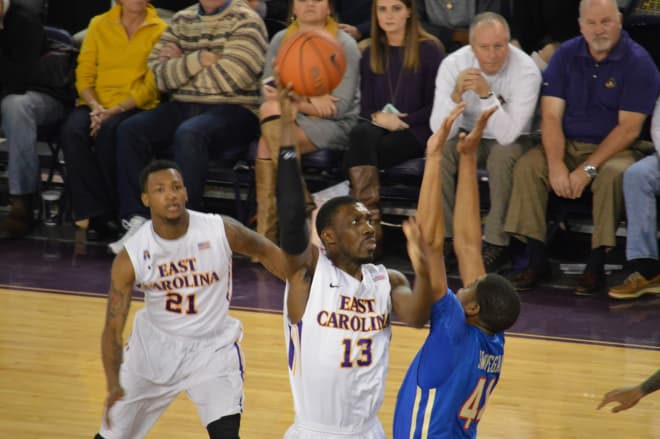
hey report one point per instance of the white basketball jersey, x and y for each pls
(187, 282)
(338, 353)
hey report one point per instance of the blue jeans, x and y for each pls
(189, 133)
(641, 186)
(21, 114)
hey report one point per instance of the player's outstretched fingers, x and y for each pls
(436, 142)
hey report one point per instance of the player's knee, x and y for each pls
(225, 428)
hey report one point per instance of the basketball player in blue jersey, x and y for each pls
(445, 391)
(184, 338)
(338, 306)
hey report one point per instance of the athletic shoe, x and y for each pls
(131, 227)
(635, 286)
(496, 258)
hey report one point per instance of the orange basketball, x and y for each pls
(312, 61)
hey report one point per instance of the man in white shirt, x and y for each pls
(490, 72)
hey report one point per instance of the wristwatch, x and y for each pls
(591, 170)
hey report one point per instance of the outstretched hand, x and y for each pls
(468, 143)
(627, 397)
(437, 141)
(416, 245)
(287, 98)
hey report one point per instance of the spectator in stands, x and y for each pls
(641, 187)
(539, 27)
(22, 42)
(354, 16)
(597, 92)
(114, 83)
(449, 20)
(322, 121)
(397, 70)
(209, 60)
(489, 72)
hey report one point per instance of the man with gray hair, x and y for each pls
(490, 72)
(597, 92)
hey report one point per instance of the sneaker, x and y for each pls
(635, 286)
(496, 258)
(131, 227)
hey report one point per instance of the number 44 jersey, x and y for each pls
(445, 391)
(338, 353)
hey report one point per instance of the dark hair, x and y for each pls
(327, 212)
(155, 166)
(499, 303)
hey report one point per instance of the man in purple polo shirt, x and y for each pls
(597, 92)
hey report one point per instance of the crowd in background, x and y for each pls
(157, 79)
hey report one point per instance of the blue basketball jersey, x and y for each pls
(445, 391)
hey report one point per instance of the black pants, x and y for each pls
(91, 163)
(372, 145)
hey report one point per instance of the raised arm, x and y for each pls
(429, 208)
(247, 242)
(112, 341)
(300, 255)
(467, 217)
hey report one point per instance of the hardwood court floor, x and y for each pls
(52, 383)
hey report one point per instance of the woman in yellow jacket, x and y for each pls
(113, 82)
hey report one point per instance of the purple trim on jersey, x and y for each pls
(292, 347)
(240, 360)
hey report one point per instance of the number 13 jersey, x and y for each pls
(338, 353)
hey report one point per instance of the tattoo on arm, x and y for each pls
(652, 384)
(117, 312)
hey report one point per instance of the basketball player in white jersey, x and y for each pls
(338, 306)
(184, 339)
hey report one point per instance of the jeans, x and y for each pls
(641, 186)
(190, 133)
(21, 114)
(91, 163)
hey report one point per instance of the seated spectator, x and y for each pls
(209, 61)
(114, 83)
(449, 20)
(539, 27)
(489, 72)
(22, 42)
(353, 16)
(641, 187)
(397, 70)
(322, 121)
(597, 92)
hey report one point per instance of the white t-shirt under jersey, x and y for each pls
(338, 353)
(187, 282)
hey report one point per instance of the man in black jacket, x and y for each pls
(22, 42)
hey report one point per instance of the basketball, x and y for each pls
(313, 62)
